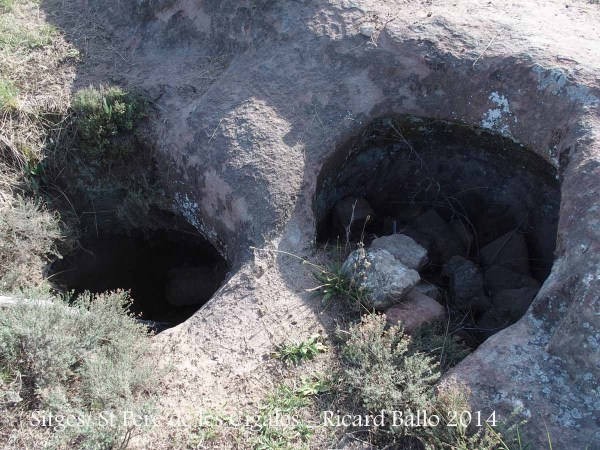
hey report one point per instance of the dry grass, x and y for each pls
(36, 73)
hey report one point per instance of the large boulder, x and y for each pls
(465, 283)
(404, 249)
(414, 311)
(383, 278)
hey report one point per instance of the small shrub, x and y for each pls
(381, 369)
(28, 236)
(454, 397)
(8, 95)
(105, 119)
(80, 360)
(435, 340)
(301, 351)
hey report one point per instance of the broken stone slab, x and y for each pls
(509, 250)
(430, 290)
(350, 216)
(414, 311)
(383, 278)
(447, 244)
(465, 283)
(190, 285)
(515, 301)
(497, 278)
(404, 249)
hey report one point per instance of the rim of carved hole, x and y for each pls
(484, 208)
(171, 270)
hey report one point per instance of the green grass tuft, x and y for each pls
(8, 95)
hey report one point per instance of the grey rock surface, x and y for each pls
(465, 283)
(383, 278)
(404, 249)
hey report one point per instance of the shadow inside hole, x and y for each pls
(171, 273)
(414, 175)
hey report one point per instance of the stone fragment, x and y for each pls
(190, 285)
(497, 278)
(367, 29)
(404, 249)
(447, 244)
(414, 311)
(510, 251)
(352, 213)
(350, 442)
(430, 290)
(515, 301)
(383, 278)
(465, 283)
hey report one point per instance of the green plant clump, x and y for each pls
(91, 361)
(106, 118)
(301, 351)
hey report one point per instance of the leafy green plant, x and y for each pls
(315, 385)
(300, 351)
(82, 360)
(105, 119)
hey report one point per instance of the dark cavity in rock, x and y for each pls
(460, 193)
(171, 271)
